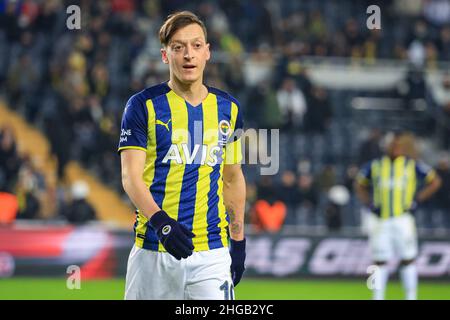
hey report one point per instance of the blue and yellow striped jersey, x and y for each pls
(394, 182)
(187, 147)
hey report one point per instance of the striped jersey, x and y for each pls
(394, 183)
(186, 148)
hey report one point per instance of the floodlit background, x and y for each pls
(312, 69)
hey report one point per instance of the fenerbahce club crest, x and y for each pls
(224, 128)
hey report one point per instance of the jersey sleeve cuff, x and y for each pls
(430, 176)
(362, 180)
(131, 147)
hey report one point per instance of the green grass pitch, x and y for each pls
(291, 289)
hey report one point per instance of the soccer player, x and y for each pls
(392, 187)
(180, 156)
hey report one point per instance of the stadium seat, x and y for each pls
(9, 207)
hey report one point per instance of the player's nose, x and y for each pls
(188, 52)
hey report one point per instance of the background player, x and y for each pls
(180, 167)
(395, 181)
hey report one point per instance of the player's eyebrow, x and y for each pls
(184, 42)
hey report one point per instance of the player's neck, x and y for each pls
(194, 93)
(393, 157)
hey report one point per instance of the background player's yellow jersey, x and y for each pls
(394, 183)
(187, 147)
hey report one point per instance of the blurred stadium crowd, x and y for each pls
(73, 85)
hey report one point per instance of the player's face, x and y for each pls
(187, 54)
(396, 148)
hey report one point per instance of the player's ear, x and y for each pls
(208, 52)
(164, 56)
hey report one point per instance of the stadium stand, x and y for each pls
(298, 66)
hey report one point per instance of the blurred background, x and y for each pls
(312, 69)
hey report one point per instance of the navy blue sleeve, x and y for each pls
(364, 174)
(239, 119)
(239, 125)
(424, 172)
(133, 129)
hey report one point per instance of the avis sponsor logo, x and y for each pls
(198, 155)
(124, 134)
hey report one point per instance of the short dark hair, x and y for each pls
(177, 21)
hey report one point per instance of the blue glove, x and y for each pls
(374, 209)
(237, 252)
(414, 205)
(174, 236)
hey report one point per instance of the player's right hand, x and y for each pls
(175, 237)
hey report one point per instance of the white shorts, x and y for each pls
(391, 237)
(205, 275)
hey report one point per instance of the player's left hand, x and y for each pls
(413, 207)
(237, 252)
